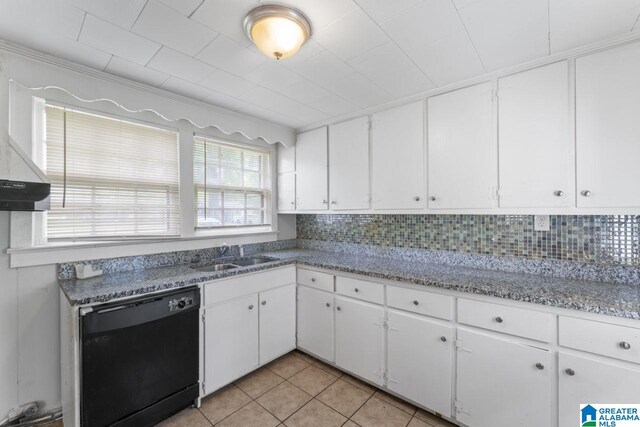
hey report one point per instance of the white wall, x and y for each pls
(29, 296)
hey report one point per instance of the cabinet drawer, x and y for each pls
(420, 302)
(605, 339)
(246, 284)
(509, 320)
(360, 289)
(315, 279)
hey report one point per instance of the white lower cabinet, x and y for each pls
(360, 338)
(315, 322)
(230, 341)
(419, 360)
(583, 380)
(277, 322)
(502, 383)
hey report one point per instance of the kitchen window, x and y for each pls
(110, 178)
(231, 184)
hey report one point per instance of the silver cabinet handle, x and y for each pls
(443, 338)
(356, 289)
(264, 302)
(432, 198)
(251, 307)
(559, 193)
(499, 319)
(625, 345)
(333, 202)
(293, 203)
(324, 202)
(540, 366)
(570, 372)
(338, 308)
(328, 305)
(586, 193)
(415, 302)
(313, 279)
(417, 198)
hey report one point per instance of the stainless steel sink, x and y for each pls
(251, 261)
(215, 267)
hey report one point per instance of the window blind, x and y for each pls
(109, 177)
(231, 184)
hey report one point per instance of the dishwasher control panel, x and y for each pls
(178, 304)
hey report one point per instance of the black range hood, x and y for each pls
(24, 196)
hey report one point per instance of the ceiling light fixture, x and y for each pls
(277, 31)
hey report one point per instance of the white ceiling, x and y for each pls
(362, 53)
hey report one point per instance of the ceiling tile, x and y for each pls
(228, 55)
(306, 52)
(353, 86)
(257, 111)
(162, 24)
(409, 81)
(133, 71)
(111, 39)
(122, 13)
(507, 32)
(381, 10)
(449, 60)
(185, 88)
(305, 92)
(226, 17)
(224, 101)
(323, 69)
(185, 7)
(351, 35)
(25, 21)
(180, 65)
(372, 99)
(382, 60)
(575, 23)
(226, 83)
(333, 105)
(273, 76)
(423, 23)
(280, 104)
(322, 13)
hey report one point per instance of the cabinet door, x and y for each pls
(584, 381)
(419, 360)
(607, 127)
(536, 146)
(287, 191)
(349, 164)
(315, 322)
(360, 338)
(499, 384)
(230, 341)
(277, 322)
(462, 149)
(397, 158)
(311, 170)
(286, 159)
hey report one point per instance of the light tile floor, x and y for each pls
(297, 390)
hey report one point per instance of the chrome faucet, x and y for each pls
(241, 251)
(224, 250)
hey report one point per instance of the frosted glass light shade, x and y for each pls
(277, 31)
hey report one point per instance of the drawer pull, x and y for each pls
(540, 366)
(356, 289)
(415, 302)
(443, 338)
(625, 345)
(251, 307)
(338, 308)
(570, 372)
(328, 305)
(264, 302)
(499, 319)
(313, 279)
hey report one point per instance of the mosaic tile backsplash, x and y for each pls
(606, 239)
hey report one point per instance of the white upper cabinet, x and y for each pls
(462, 150)
(608, 127)
(349, 164)
(311, 170)
(535, 139)
(398, 158)
(286, 159)
(287, 191)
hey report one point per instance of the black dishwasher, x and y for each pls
(139, 359)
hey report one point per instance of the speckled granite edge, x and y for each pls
(554, 268)
(142, 262)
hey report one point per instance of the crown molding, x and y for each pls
(561, 56)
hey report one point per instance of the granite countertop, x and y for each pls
(614, 299)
